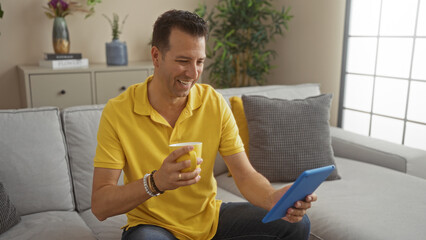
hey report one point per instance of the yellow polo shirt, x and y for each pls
(134, 137)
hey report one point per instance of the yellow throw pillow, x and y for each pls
(238, 111)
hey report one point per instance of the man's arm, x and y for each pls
(258, 190)
(109, 199)
(255, 187)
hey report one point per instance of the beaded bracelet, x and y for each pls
(151, 187)
(153, 183)
(145, 183)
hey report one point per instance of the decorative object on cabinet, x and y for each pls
(54, 56)
(65, 63)
(240, 32)
(60, 36)
(116, 51)
(72, 87)
(1, 13)
(58, 10)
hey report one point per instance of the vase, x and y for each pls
(116, 53)
(60, 36)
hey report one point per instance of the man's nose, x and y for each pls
(192, 71)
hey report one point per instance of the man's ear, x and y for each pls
(155, 55)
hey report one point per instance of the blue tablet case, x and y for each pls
(304, 185)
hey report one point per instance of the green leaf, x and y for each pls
(229, 33)
(49, 15)
(201, 10)
(242, 29)
(250, 3)
(93, 2)
(231, 44)
(1, 12)
(224, 55)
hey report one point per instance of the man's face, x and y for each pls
(181, 66)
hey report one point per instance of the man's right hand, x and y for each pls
(170, 177)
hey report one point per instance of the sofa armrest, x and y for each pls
(379, 152)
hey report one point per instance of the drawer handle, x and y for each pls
(63, 92)
(123, 88)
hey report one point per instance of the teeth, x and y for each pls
(184, 83)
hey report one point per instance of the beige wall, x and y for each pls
(26, 34)
(310, 52)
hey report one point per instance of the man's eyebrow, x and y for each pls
(188, 58)
(184, 57)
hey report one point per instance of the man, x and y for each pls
(169, 107)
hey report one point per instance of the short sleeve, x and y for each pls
(109, 151)
(230, 142)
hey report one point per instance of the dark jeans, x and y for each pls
(237, 221)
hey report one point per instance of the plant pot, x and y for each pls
(60, 36)
(116, 53)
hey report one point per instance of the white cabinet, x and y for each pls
(71, 87)
(61, 90)
(111, 84)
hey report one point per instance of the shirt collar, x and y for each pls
(142, 105)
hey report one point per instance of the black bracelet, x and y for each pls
(153, 183)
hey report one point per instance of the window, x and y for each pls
(383, 87)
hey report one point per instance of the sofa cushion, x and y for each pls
(300, 91)
(227, 183)
(33, 160)
(109, 229)
(227, 196)
(240, 118)
(8, 215)
(49, 226)
(81, 125)
(376, 151)
(289, 136)
(369, 202)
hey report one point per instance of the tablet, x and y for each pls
(304, 185)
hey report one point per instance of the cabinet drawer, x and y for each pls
(111, 84)
(61, 90)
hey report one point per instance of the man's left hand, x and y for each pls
(295, 213)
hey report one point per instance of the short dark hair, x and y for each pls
(186, 21)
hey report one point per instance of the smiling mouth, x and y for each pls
(184, 83)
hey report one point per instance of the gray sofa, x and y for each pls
(46, 168)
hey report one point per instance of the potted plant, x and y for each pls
(1, 12)
(240, 31)
(58, 10)
(116, 51)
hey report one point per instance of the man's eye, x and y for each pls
(182, 61)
